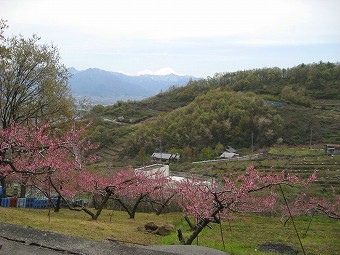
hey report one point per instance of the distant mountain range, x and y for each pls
(104, 87)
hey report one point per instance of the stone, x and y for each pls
(165, 229)
(151, 226)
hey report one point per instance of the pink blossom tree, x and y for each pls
(23, 152)
(38, 155)
(304, 204)
(141, 188)
(55, 163)
(129, 187)
(89, 182)
(252, 192)
(107, 186)
(162, 197)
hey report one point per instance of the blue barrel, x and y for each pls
(5, 202)
(21, 202)
(40, 203)
(37, 203)
(29, 202)
(44, 203)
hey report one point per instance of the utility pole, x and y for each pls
(311, 138)
(160, 144)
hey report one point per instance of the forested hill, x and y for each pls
(318, 81)
(298, 84)
(230, 107)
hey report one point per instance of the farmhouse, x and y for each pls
(165, 157)
(229, 152)
(332, 149)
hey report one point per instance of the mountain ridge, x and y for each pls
(107, 87)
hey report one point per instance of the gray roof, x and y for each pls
(229, 149)
(167, 156)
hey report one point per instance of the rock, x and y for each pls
(151, 226)
(159, 229)
(165, 229)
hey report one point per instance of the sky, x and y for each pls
(187, 37)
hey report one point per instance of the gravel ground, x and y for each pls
(17, 240)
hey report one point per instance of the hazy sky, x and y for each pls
(197, 37)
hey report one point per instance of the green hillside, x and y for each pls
(293, 106)
(218, 116)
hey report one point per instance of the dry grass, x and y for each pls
(79, 224)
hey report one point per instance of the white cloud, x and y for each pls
(166, 20)
(192, 36)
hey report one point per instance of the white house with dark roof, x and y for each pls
(332, 149)
(165, 157)
(229, 152)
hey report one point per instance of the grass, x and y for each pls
(242, 233)
(295, 151)
(79, 224)
(246, 232)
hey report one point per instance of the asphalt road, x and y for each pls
(17, 240)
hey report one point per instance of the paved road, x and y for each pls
(17, 240)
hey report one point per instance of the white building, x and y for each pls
(228, 155)
(155, 169)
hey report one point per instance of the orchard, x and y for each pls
(56, 163)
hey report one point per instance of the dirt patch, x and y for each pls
(277, 247)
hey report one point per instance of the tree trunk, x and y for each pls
(200, 226)
(160, 210)
(57, 206)
(100, 207)
(125, 207)
(71, 207)
(132, 215)
(23, 190)
(192, 226)
(95, 202)
(102, 204)
(3, 184)
(165, 204)
(23, 186)
(198, 230)
(132, 212)
(134, 209)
